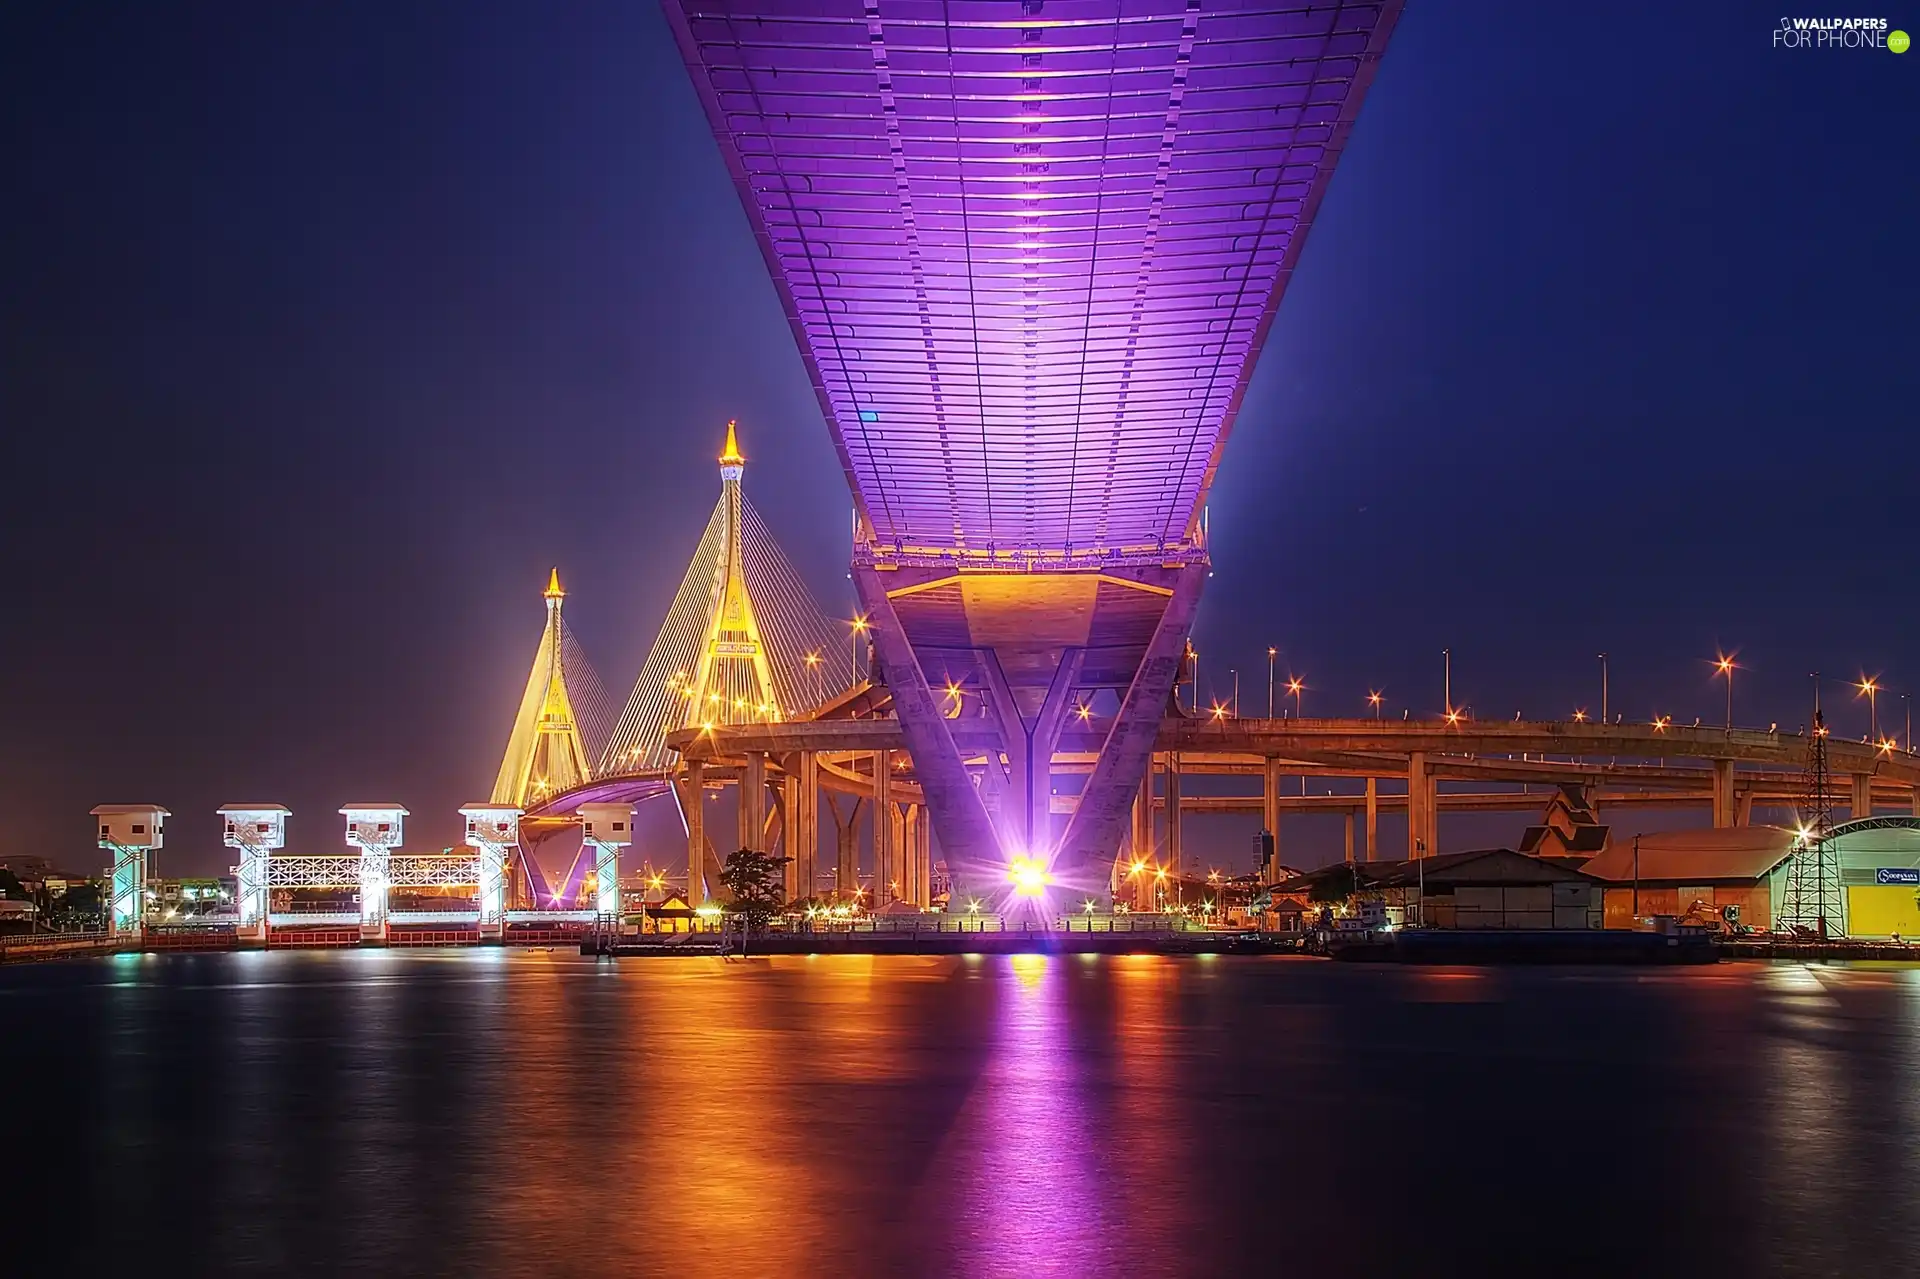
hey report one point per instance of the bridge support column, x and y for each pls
(846, 848)
(1349, 834)
(803, 826)
(753, 803)
(1270, 813)
(884, 817)
(787, 801)
(1743, 808)
(1175, 851)
(1419, 803)
(1373, 818)
(1722, 793)
(691, 791)
(923, 856)
(1913, 802)
(1862, 795)
(1142, 851)
(897, 853)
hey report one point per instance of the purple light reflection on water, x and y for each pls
(1032, 1198)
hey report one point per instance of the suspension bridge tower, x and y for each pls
(744, 643)
(549, 750)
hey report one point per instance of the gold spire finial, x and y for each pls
(553, 586)
(730, 456)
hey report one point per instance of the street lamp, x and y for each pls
(1235, 672)
(1446, 657)
(819, 689)
(1272, 653)
(859, 629)
(1373, 700)
(1603, 688)
(1294, 685)
(1868, 686)
(1724, 665)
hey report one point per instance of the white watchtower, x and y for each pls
(374, 829)
(608, 828)
(492, 829)
(130, 831)
(256, 830)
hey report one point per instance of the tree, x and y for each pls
(757, 884)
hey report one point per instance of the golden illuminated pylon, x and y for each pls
(550, 747)
(743, 643)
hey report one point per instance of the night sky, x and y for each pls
(327, 328)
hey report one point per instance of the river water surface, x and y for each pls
(501, 1113)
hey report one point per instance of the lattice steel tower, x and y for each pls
(1813, 897)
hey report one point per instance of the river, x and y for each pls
(503, 1113)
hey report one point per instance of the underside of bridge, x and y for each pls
(1030, 250)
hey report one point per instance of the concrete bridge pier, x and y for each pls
(1176, 866)
(693, 815)
(1419, 806)
(1270, 814)
(1862, 795)
(846, 861)
(753, 803)
(1373, 818)
(803, 827)
(884, 817)
(1724, 812)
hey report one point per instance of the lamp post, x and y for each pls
(1235, 672)
(819, 689)
(859, 629)
(1724, 666)
(1446, 657)
(1294, 685)
(1871, 688)
(1373, 700)
(1272, 653)
(1603, 688)
(1907, 700)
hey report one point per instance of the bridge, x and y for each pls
(1029, 253)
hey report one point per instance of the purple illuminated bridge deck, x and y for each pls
(1030, 249)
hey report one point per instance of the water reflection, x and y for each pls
(544, 1114)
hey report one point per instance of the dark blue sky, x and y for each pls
(327, 328)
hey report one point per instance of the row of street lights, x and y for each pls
(1723, 665)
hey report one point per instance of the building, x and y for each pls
(1491, 888)
(1696, 872)
(1569, 828)
(1879, 861)
(670, 916)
